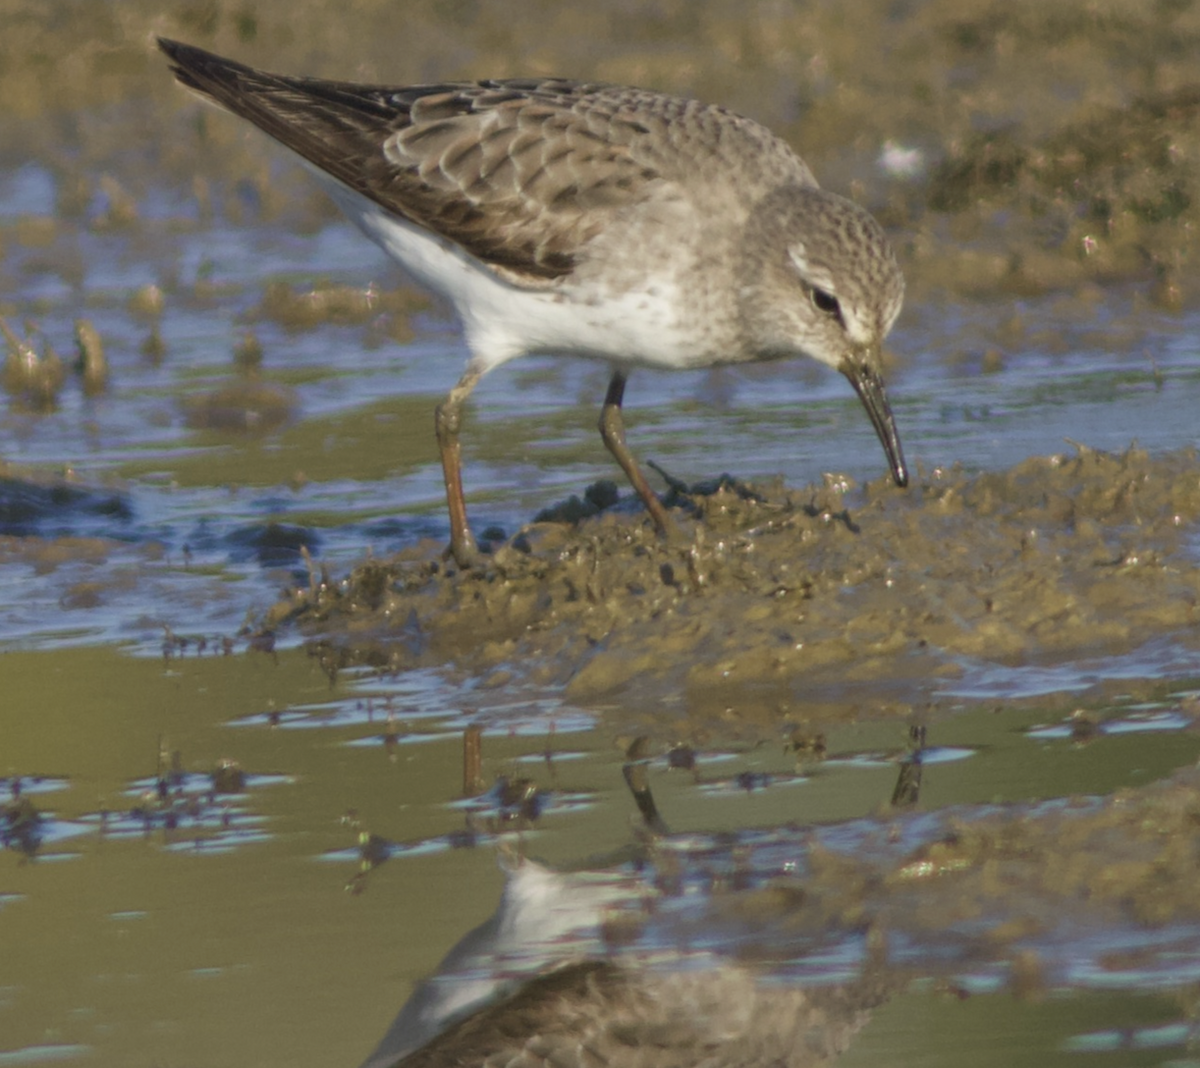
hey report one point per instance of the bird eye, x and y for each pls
(826, 302)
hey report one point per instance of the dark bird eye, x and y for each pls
(827, 303)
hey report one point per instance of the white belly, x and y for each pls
(638, 325)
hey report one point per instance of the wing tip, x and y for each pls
(198, 69)
(184, 59)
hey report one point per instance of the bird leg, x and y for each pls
(447, 420)
(612, 432)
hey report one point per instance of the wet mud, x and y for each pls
(202, 417)
(830, 601)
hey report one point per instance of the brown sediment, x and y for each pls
(846, 601)
(345, 305)
(244, 404)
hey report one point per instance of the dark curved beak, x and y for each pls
(868, 384)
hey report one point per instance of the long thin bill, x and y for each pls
(868, 384)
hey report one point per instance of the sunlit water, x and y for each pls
(148, 915)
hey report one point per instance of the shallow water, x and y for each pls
(194, 909)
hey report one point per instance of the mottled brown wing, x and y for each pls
(517, 172)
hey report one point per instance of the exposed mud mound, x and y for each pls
(848, 600)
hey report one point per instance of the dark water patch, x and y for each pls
(58, 509)
(392, 533)
(273, 545)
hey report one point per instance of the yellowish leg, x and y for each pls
(612, 431)
(447, 420)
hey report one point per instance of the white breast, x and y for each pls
(636, 324)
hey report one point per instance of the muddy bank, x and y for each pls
(823, 602)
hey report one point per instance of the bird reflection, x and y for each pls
(538, 984)
(610, 968)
